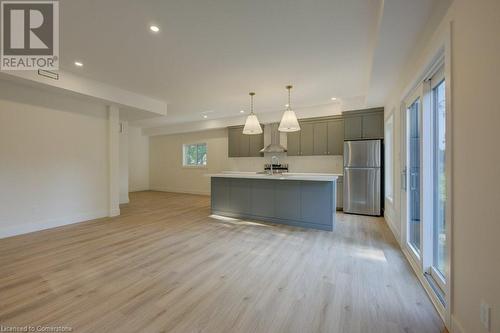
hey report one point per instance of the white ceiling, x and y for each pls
(403, 25)
(210, 54)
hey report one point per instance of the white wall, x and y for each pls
(475, 112)
(54, 160)
(138, 160)
(168, 174)
(124, 173)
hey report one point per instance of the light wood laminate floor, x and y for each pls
(164, 265)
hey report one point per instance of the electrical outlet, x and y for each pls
(485, 315)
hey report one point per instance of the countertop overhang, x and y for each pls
(323, 177)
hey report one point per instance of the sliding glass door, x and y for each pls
(424, 179)
(412, 174)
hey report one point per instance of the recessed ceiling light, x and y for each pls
(154, 28)
(78, 63)
(287, 105)
(242, 111)
(334, 98)
(205, 116)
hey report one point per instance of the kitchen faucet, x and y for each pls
(273, 159)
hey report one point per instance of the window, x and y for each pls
(389, 153)
(195, 155)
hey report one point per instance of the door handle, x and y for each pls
(413, 181)
(403, 179)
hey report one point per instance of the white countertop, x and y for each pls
(285, 176)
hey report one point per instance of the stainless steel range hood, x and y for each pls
(274, 146)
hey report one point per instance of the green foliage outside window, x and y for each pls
(195, 154)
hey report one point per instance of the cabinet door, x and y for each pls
(336, 137)
(320, 142)
(306, 139)
(220, 194)
(256, 144)
(240, 196)
(245, 144)
(352, 128)
(263, 198)
(293, 143)
(316, 202)
(233, 142)
(287, 199)
(373, 126)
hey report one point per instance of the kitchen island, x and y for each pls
(305, 200)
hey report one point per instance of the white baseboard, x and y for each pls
(50, 223)
(392, 226)
(177, 190)
(139, 190)
(456, 327)
(114, 212)
(124, 200)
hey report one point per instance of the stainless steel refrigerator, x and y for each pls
(362, 177)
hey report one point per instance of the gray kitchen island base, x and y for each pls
(300, 203)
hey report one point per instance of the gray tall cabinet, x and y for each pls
(364, 124)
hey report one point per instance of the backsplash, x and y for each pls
(321, 164)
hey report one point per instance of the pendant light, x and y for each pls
(289, 122)
(252, 125)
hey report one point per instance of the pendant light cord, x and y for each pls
(289, 107)
(289, 93)
(251, 102)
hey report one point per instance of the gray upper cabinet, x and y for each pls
(317, 136)
(243, 145)
(233, 139)
(320, 145)
(373, 126)
(364, 124)
(335, 137)
(306, 139)
(352, 128)
(256, 145)
(293, 143)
